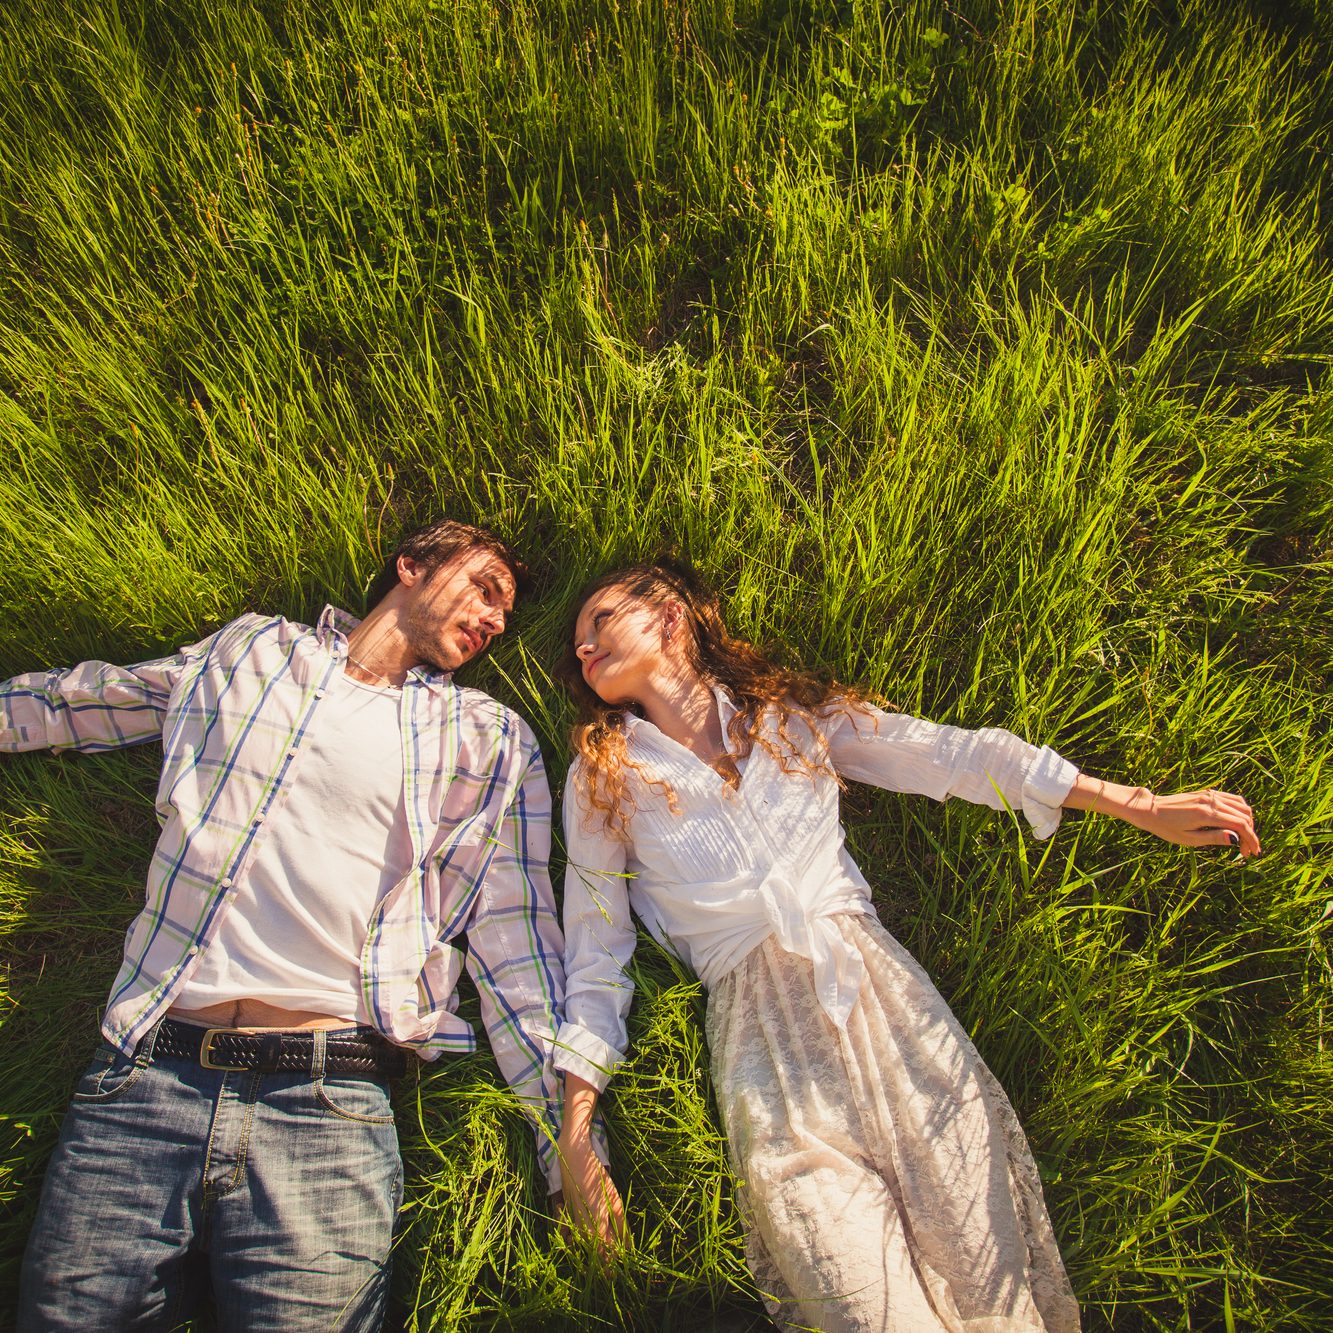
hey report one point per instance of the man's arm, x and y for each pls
(516, 956)
(92, 706)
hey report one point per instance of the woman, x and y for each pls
(884, 1176)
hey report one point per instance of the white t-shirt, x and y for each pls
(299, 919)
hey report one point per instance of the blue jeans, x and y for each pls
(284, 1187)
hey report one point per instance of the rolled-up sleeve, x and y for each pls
(599, 942)
(989, 766)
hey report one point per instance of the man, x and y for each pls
(335, 813)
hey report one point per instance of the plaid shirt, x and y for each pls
(233, 712)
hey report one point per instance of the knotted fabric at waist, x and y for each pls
(739, 914)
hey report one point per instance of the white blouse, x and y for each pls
(734, 866)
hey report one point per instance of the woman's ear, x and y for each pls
(671, 616)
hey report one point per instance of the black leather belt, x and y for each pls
(362, 1052)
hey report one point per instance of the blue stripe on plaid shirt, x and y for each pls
(232, 712)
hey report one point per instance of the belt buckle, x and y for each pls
(206, 1055)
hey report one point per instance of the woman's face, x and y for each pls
(622, 642)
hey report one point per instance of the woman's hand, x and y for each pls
(1190, 818)
(1202, 819)
(591, 1200)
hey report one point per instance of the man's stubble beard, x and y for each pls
(424, 632)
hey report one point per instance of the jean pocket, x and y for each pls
(111, 1074)
(363, 1099)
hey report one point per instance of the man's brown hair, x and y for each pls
(434, 546)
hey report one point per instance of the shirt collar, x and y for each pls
(333, 627)
(726, 710)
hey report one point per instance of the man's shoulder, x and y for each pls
(252, 637)
(249, 621)
(250, 625)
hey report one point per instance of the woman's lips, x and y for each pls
(594, 662)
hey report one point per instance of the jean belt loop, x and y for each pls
(143, 1052)
(318, 1054)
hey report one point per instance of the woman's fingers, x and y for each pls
(612, 1207)
(1206, 819)
(1210, 837)
(616, 1212)
(591, 1200)
(1235, 807)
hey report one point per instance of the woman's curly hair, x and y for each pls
(754, 680)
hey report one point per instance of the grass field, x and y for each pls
(980, 351)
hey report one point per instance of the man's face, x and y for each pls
(453, 612)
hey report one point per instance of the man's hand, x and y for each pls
(590, 1199)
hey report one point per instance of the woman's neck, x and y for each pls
(685, 708)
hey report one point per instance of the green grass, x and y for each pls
(979, 350)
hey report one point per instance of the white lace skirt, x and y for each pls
(884, 1176)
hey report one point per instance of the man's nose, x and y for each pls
(494, 620)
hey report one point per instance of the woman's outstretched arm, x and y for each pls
(996, 768)
(590, 1196)
(1190, 818)
(989, 766)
